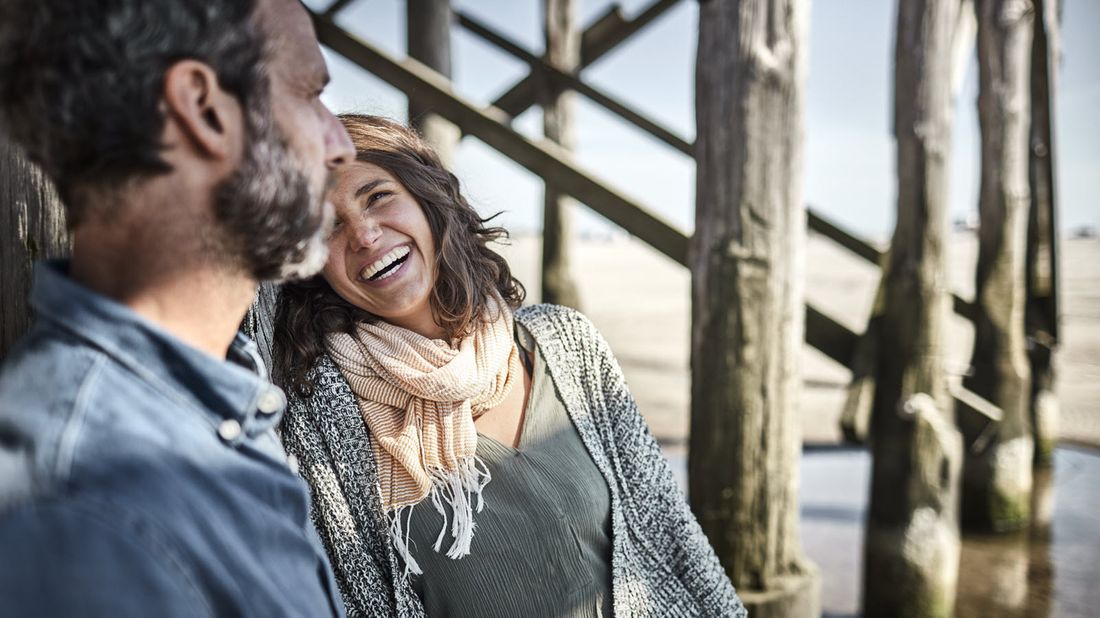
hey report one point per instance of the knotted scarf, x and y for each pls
(419, 398)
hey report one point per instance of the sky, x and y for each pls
(849, 152)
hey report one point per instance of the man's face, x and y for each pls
(273, 205)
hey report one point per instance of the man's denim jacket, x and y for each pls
(142, 477)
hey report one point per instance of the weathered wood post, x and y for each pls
(428, 29)
(911, 550)
(32, 227)
(746, 260)
(563, 51)
(855, 420)
(997, 479)
(1041, 315)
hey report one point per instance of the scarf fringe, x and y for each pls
(399, 533)
(450, 488)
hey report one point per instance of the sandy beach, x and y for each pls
(640, 300)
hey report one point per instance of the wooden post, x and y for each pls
(747, 299)
(563, 51)
(1041, 315)
(32, 227)
(997, 479)
(911, 550)
(855, 420)
(428, 26)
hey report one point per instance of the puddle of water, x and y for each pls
(1051, 571)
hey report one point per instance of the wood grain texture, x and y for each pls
(428, 29)
(916, 451)
(563, 52)
(747, 298)
(997, 480)
(32, 227)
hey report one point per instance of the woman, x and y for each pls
(468, 457)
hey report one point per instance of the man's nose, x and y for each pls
(338, 147)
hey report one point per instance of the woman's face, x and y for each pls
(381, 252)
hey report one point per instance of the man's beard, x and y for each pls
(273, 222)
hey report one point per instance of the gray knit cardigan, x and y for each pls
(662, 564)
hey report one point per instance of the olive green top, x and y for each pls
(542, 545)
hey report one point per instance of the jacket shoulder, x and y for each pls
(548, 320)
(45, 384)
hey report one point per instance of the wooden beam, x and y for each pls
(549, 162)
(336, 7)
(830, 337)
(564, 80)
(428, 40)
(490, 125)
(844, 238)
(597, 40)
(601, 29)
(563, 51)
(870, 253)
(817, 222)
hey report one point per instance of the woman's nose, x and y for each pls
(364, 233)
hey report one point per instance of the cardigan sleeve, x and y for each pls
(659, 513)
(327, 435)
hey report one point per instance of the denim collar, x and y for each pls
(219, 390)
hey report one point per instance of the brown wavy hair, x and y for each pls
(468, 272)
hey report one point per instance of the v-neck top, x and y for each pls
(542, 543)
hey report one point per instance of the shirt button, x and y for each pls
(292, 463)
(271, 401)
(229, 430)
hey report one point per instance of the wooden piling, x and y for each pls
(563, 52)
(32, 227)
(428, 28)
(997, 479)
(747, 299)
(1041, 314)
(911, 551)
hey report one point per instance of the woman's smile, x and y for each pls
(387, 268)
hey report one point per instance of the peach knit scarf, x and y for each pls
(419, 398)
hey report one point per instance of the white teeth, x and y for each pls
(383, 262)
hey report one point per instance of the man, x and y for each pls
(139, 472)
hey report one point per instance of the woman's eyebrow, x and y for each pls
(367, 188)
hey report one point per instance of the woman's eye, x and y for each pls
(377, 196)
(336, 227)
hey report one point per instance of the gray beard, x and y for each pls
(275, 225)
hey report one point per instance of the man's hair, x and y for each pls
(468, 272)
(81, 82)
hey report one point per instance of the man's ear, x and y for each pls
(205, 114)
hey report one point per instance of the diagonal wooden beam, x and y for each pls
(549, 162)
(562, 80)
(539, 66)
(872, 254)
(337, 6)
(597, 40)
(490, 125)
(844, 238)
